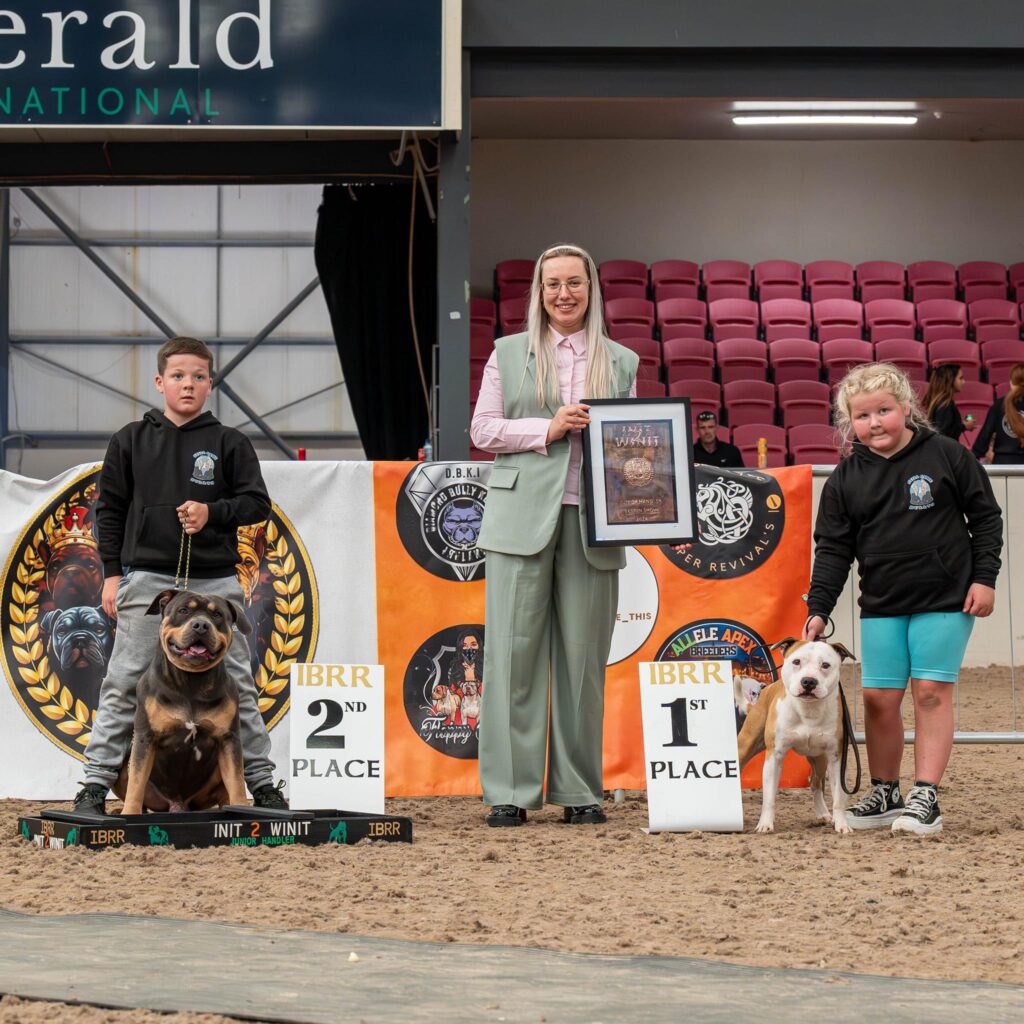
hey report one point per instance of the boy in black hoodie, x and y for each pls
(179, 470)
(917, 511)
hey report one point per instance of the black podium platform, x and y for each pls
(228, 826)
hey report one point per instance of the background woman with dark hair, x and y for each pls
(938, 403)
(1005, 424)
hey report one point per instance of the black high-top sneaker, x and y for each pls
(270, 796)
(879, 807)
(91, 797)
(921, 815)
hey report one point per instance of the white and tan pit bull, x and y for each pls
(802, 711)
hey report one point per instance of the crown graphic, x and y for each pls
(71, 529)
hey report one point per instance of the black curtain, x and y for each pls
(362, 257)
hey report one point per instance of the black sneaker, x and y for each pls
(270, 797)
(879, 807)
(92, 798)
(591, 814)
(921, 815)
(505, 816)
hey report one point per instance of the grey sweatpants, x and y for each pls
(135, 644)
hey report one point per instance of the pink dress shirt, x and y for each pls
(491, 432)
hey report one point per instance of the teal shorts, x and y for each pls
(929, 645)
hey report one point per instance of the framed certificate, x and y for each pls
(638, 472)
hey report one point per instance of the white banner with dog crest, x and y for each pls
(336, 758)
(689, 722)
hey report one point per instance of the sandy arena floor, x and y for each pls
(945, 907)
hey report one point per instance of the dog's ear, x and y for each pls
(239, 618)
(784, 645)
(47, 621)
(842, 652)
(160, 602)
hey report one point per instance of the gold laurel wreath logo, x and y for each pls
(289, 620)
(70, 715)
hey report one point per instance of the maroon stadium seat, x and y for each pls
(880, 279)
(1016, 275)
(481, 345)
(745, 438)
(889, 318)
(931, 279)
(794, 359)
(512, 314)
(841, 354)
(675, 279)
(993, 318)
(1001, 388)
(803, 401)
(682, 318)
(999, 356)
(910, 356)
(483, 312)
(838, 318)
(976, 399)
(733, 318)
(981, 280)
(649, 352)
(726, 279)
(813, 443)
(749, 401)
(649, 388)
(688, 359)
(629, 318)
(778, 279)
(513, 278)
(956, 350)
(741, 359)
(829, 279)
(623, 279)
(941, 318)
(786, 318)
(704, 395)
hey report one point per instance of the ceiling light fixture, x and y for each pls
(821, 105)
(823, 119)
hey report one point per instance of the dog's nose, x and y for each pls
(808, 684)
(200, 626)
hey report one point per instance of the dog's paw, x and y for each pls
(823, 819)
(843, 827)
(765, 826)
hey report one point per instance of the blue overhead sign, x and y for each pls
(222, 63)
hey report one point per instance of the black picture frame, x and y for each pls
(656, 495)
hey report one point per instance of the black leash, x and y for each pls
(848, 740)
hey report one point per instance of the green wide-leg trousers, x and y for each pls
(549, 621)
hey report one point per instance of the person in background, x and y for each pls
(709, 450)
(1004, 425)
(939, 405)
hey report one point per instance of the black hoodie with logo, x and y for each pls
(151, 467)
(923, 526)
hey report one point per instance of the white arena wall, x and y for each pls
(652, 199)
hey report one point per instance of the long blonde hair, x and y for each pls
(599, 361)
(867, 379)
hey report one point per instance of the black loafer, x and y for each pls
(505, 816)
(589, 815)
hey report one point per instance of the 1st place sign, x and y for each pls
(224, 63)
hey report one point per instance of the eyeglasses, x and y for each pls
(575, 284)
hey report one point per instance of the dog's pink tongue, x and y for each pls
(197, 652)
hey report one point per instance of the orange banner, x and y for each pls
(737, 591)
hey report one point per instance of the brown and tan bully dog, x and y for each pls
(186, 752)
(801, 711)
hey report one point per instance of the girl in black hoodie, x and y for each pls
(917, 511)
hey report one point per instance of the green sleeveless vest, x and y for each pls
(524, 494)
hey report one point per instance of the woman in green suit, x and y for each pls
(551, 599)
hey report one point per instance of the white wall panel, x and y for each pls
(261, 210)
(258, 283)
(702, 200)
